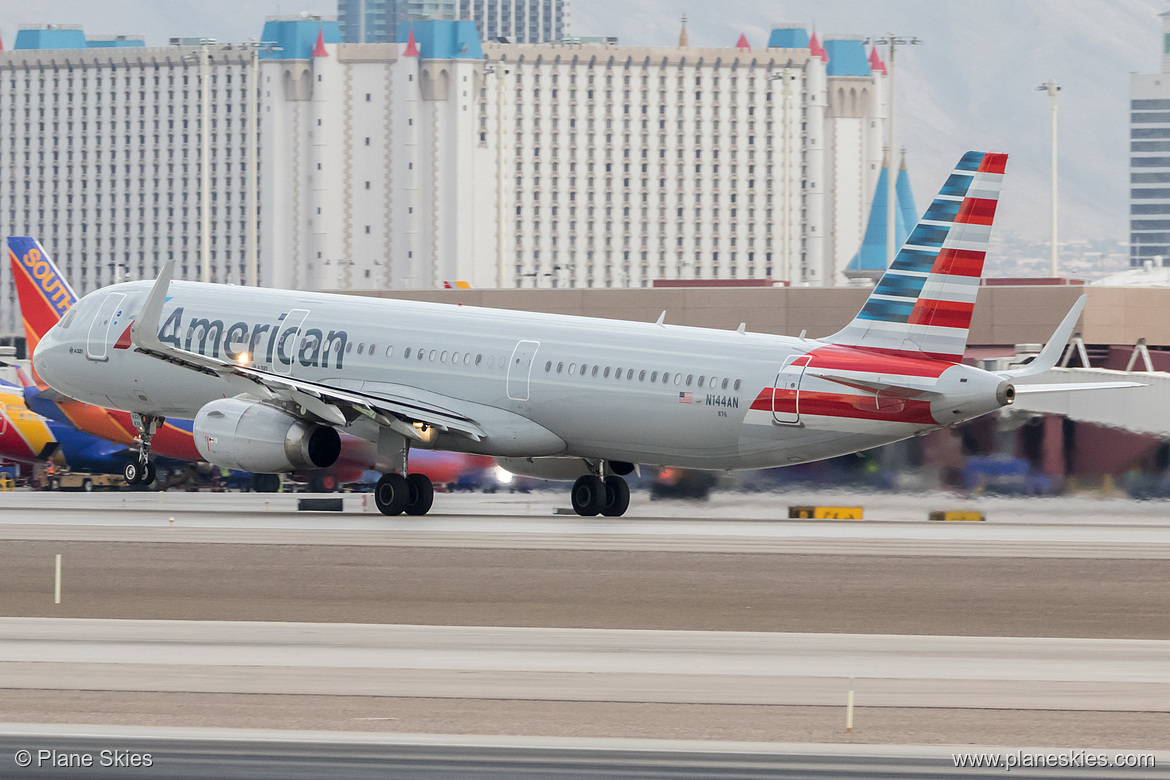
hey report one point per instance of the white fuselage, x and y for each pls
(537, 384)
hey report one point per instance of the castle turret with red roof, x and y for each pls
(319, 49)
(816, 50)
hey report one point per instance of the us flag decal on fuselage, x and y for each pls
(686, 398)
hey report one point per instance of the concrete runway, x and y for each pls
(895, 525)
(677, 667)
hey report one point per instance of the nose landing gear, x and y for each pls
(141, 471)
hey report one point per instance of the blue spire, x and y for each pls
(905, 201)
(870, 260)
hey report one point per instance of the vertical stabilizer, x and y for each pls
(922, 305)
(41, 288)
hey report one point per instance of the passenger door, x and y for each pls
(520, 369)
(786, 390)
(107, 315)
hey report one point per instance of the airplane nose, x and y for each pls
(46, 356)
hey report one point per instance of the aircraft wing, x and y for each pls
(398, 410)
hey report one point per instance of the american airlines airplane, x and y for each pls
(271, 376)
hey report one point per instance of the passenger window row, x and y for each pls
(434, 355)
(643, 375)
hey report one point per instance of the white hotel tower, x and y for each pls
(564, 165)
(622, 165)
(101, 158)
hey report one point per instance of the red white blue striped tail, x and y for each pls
(922, 305)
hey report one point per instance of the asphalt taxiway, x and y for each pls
(256, 754)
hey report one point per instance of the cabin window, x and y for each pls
(642, 376)
(478, 359)
(606, 374)
(689, 378)
(431, 357)
(443, 357)
(654, 377)
(421, 353)
(714, 383)
(701, 379)
(454, 357)
(630, 374)
(666, 377)
(572, 368)
(467, 359)
(390, 352)
(371, 350)
(595, 370)
(361, 348)
(349, 347)
(724, 385)
(548, 367)
(677, 378)
(405, 354)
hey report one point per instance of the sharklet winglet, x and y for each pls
(1050, 355)
(144, 330)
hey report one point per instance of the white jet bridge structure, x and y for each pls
(1140, 409)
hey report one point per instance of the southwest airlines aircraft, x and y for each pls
(272, 376)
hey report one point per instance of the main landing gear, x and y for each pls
(601, 495)
(141, 471)
(397, 491)
(412, 494)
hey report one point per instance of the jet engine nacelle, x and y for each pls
(250, 436)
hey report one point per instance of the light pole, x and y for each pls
(893, 42)
(252, 278)
(1051, 87)
(205, 162)
(499, 71)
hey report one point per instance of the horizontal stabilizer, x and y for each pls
(1071, 387)
(899, 389)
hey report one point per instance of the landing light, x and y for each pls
(244, 358)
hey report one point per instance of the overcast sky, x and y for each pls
(971, 85)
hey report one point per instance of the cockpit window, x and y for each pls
(68, 318)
